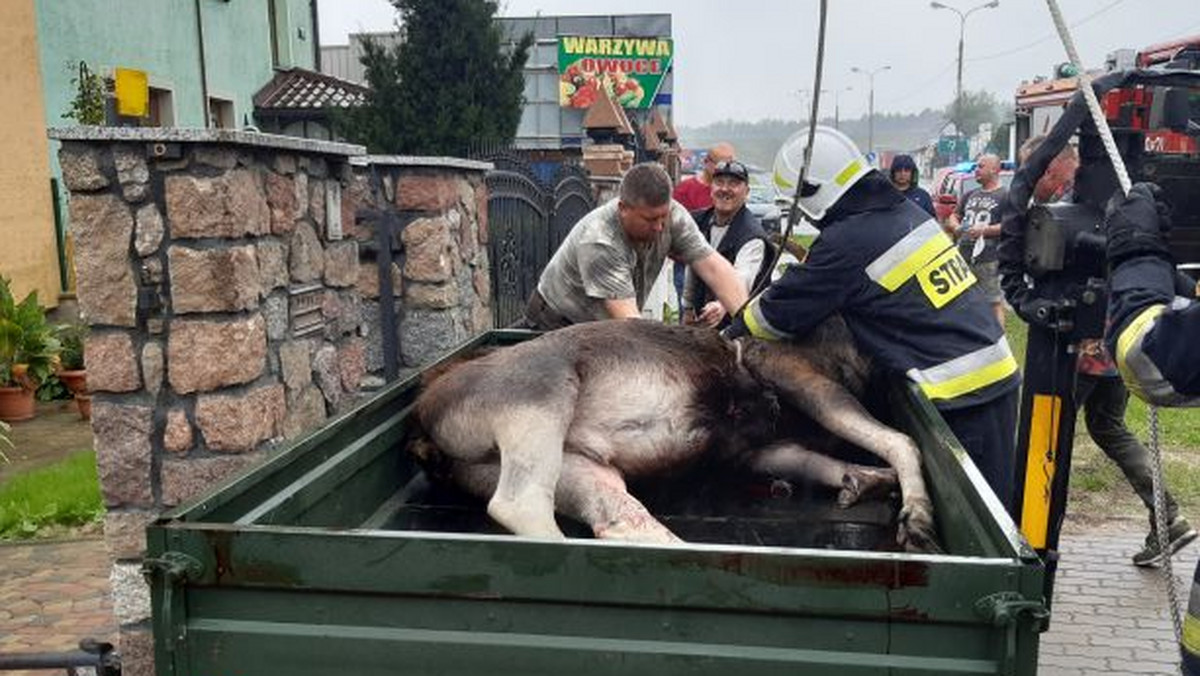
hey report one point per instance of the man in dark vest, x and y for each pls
(736, 234)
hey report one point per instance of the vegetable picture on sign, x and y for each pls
(627, 70)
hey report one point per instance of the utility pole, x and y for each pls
(962, 29)
(870, 102)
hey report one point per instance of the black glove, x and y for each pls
(736, 329)
(1137, 225)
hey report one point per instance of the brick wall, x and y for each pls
(232, 285)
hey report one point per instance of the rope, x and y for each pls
(793, 211)
(1089, 95)
(1118, 164)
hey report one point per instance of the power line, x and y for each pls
(1047, 37)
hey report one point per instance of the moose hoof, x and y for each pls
(862, 482)
(916, 532)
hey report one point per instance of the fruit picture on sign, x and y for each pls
(579, 88)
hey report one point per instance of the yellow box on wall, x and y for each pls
(133, 92)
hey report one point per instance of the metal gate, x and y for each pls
(527, 220)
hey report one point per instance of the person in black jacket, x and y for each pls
(736, 234)
(906, 294)
(904, 175)
(1154, 333)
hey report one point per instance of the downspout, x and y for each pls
(203, 68)
(316, 37)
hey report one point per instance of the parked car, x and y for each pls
(761, 203)
(951, 183)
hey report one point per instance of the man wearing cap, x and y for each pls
(607, 264)
(904, 174)
(736, 233)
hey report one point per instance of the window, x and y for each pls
(220, 113)
(162, 109)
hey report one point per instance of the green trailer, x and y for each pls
(337, 557)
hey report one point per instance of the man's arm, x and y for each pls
(722, 278)
(1153, 333)
(622, 308)
(953, 221)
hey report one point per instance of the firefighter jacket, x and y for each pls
(1154, 333)
(744, 227)
(906, 293)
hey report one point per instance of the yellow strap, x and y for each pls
(970, 382)
(1039, 468)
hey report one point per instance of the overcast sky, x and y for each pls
(748, 59)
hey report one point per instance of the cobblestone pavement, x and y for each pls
(52, 595)
(1108, 618)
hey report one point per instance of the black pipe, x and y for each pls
(203, 67)
(316, 37)
(96, 654)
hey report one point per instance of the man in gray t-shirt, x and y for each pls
(606, 266)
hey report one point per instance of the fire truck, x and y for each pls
(1164, 122)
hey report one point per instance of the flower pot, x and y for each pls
(84, 402)
(74, 380)
(16, 404)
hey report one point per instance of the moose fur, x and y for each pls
(558, 423)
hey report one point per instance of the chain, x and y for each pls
(1161, 526)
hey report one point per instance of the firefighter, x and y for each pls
(904, 290)
(1153, 336)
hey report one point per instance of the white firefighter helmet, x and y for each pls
(837, 165)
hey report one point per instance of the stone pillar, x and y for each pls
(440, 272)
(227, 280)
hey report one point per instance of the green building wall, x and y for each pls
(161, 37)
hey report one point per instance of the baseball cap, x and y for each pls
(732, 168)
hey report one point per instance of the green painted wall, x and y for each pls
(161, 38)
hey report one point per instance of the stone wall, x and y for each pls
(232, 285)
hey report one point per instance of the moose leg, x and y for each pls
(853, 481)
(833, 406)
(530, 440)
(596, 495)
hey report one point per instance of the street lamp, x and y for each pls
(870, 103)
(837, 105)
(962, 25)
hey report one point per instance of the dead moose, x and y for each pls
(560, 422)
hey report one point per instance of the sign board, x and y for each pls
(304, 305)
(132, 91)
(629, 70)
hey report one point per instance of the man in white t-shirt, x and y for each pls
(607, 264)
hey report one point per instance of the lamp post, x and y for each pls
(870, 103)
(837, 106)
(962, 27)
(806, 99)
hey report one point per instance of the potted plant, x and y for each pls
(72, 372)
(28, 353)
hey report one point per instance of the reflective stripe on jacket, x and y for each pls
(1143, 345)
